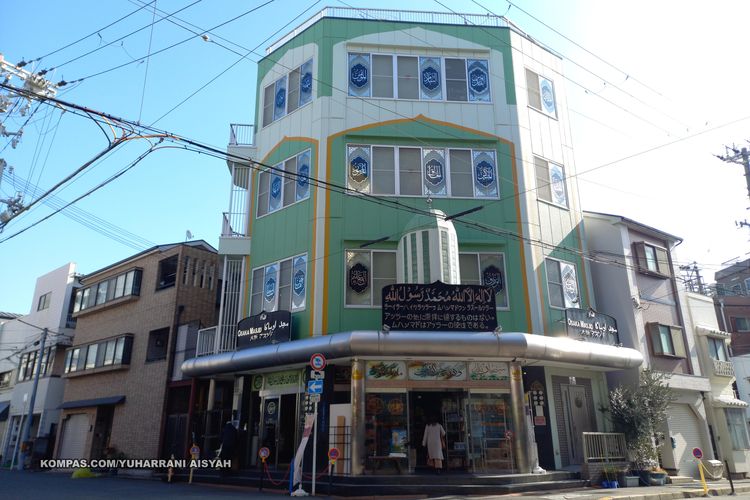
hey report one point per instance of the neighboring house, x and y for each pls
(8, 359)
(130, 316)
(732, 303)
(633, 275)
(370, 133)
(51, 308)
(725, 412)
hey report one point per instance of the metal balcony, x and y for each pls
(206, 342)
(241, 134)
(723, 368)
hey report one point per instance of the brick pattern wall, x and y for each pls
(137, 422)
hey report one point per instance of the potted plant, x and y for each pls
(637, 413)
(609, 476)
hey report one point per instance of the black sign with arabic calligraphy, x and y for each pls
(591, 326)
(264, 328)
(439, 306)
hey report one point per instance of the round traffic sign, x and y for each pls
(195, 452)
(264, 453)
(333, 454)
(317, 361)
(697, 453)
(509, 434)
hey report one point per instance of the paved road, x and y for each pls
(59, 486)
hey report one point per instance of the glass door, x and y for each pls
(270, 427)
(490, 432)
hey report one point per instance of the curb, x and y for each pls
(692, 493)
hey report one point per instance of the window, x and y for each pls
(288, 93)
(550, 182)
(652, 260)
(419, 78)
(124, 285)
(5, 378)
(717, 349)
(185, 270)
(742, 324)
(666, 340)
(367, 272)
(28, 364)
(562, 284)
(737, 428)
(287, 184)
(157, 344)
(112, 352)
(280, 286)
(44, 301)
(167, 273)
(485, 269)
(541, 93)
(91, 356)
(408, 171)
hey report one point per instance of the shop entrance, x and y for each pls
(448, 408)
(279, 428)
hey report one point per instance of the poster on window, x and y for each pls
(570, 284)
(485, 174)
(279, 98)
(359, 75)
(488, 370)
(270, 286)
(299, 282)
(557, 184)
(303, 176)
(305, 83)
(479, 80)
(275, 187)
(358, 168)
(547, 93)
(434, 172)
(430, 79)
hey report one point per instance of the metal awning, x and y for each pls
(4, 410)
(422, 344)
(726, 401)
(83, 403)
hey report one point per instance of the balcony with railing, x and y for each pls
(205, 343)
(723, 368)
(241, 147)
(235, 239)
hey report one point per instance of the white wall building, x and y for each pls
(51, 309)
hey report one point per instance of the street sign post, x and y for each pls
(697, 453)
(317, 361)
(333, 454)
(263, 453)
(315, 387)
(195, 453)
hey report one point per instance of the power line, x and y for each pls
(85, 37)
(63, 83)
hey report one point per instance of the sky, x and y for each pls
(654, 89)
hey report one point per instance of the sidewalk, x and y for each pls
(685, 490)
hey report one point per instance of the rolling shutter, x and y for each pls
(74, 434)
(686, 431)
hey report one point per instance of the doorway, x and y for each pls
(577, 409)
(447, 407)
(279, 417)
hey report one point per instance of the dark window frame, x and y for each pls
(166, 275)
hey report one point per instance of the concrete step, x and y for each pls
(681, 479)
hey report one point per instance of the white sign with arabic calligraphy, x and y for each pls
(488, 370)
(437, 370)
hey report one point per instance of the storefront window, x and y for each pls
(491, 446)
(387, 430)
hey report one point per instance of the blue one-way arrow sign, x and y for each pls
(315, 387)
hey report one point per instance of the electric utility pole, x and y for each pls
(739, 156)
(26, 435)
(10, 104)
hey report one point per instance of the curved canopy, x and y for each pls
(369, 343)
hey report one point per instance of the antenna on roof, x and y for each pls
(188, 235)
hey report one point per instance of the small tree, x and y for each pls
(637, 413)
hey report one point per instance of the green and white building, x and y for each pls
(373, 129)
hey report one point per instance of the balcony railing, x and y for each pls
(423, 17)
(233, 224)
(604, 447)
(206, 342)
(241, 134)
(723, 368)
